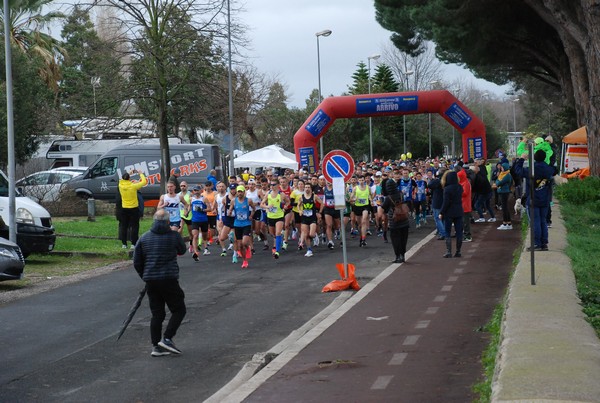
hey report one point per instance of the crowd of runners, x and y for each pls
(278, 210)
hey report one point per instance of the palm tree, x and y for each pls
(26, 24)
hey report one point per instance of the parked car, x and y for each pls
(11, 261)
(35, 232)
(46, 185)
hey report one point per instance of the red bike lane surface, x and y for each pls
(416, 337)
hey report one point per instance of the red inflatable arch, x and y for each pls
(389, 104)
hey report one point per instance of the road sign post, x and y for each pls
(338, 168)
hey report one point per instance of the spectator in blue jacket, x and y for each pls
(543, 174)
(155, 260)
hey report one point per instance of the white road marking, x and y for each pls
(458, 271)
(382, 382)
(452, 278)
(398, 359)
(422, 324)
(447, 288)
(464, 263)
(440, 298)
(432, 310)
(411, 340)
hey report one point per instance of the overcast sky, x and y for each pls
(283, 39)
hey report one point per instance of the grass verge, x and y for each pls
(81, 245)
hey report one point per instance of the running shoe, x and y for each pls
(480, 220)
(467, 239)
(493, 219)
(195, 257)
(169, 345)
(275, 253)
(230, 247)
(330, 244)
(206, 252)
(308, 253)
(223, 253)
(284, 246)
(158, 351)
(294, 234)
(300, 246)
(369, 232)
(316, 241)
(245, 264)
(234, 258)
(362, 243)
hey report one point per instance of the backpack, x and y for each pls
(400, 211)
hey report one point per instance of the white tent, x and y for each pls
(269, 156)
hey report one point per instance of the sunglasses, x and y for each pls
(274, 184)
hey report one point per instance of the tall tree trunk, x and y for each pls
(578, 25)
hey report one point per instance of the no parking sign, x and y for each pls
(338, 164)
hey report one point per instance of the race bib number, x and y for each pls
(330, 203)
(362, 201)
(307, 213)
(242, 216)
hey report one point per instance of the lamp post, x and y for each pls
(549, 115)
(374, 57)
(95, 81)
(325, 32)
(515, 115)
(431, 84)
(457, 90)
(230, 92)
(406, 74)
(483, 96)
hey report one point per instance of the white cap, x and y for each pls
(378, 173)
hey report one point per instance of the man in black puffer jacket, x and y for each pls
(155, 260)
(452, 211)
(398, 229)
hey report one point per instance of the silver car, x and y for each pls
(45, 185)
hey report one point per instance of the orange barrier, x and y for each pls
(344, 283)
(580, 173)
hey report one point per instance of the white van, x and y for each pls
(35, 233)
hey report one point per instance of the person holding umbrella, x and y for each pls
(155, 260)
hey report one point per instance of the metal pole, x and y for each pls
(344, 253)
(430, 155)
(370, 120)
(531, 212)
(320, 97)
(230, 89)
(10, 130)
(514, 116)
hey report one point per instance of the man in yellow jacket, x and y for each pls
(130, 213)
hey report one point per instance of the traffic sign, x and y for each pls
(338, 164)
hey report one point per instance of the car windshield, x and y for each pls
(4, 185)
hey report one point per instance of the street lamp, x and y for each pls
(431, 84)
(374, 57)
(95, 81)
(483, 96)
(515, 116)
(549, 115)
(457, 90)
(325, 32)
(406, 74)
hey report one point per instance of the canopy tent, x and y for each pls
(578, 136)
(575, 151)
(269, 156)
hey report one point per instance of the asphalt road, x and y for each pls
(61, 345)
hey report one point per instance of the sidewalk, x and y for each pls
(549, 351)
(404, 352)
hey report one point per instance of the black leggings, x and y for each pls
(399, 237)
(505, 209)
